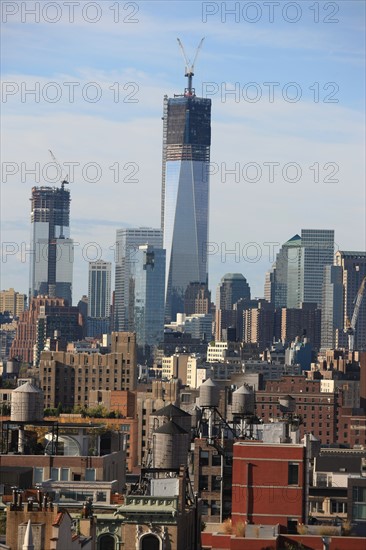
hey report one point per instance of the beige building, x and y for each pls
(12, 301)
(196, 371)
(68, 378)
(175, 366)
(259, 325)
(216, 352)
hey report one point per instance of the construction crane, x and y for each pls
(189, 71)
(351, 326)
(64, 181)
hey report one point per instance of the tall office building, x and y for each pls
(332, 305)
(318, 247)
(99, 298)
(232, 288)
(232, 292)
(51, 254)
(185, 194)
(353, 264)
(127, 245)
(287, 274)
(147, 298)
(297, 275)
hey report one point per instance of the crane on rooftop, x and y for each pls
(189, 70)
(64, 181)
(351, 326)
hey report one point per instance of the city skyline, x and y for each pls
(245, 216)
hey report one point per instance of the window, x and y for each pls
(215, 508)
(204, 508)
(203, 484)
(215, 483)
(90, 474)
(37, 475)
(204, 458)
(55, 474)
(65, 473)
(216, 460)
(338, 507)
(293, 473)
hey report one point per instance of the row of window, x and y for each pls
(61, 474)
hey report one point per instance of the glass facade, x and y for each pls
(318, 245)
(127, 245)
(299, 268)
(288, 274)
(185, 195)
(147, 286)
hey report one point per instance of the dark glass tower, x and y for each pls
(185, 194)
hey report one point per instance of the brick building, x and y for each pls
(45, 316)
(319, 411)
(82, 454)
(352, 427)
(67, 378)
(268, 484)
(305, 320)
(124, 404)
(212, 479)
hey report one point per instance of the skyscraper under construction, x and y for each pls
(185, 193)
(51, 253)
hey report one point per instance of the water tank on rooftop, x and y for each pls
(243, 401)
(170, 444)
(26, 404)
(209, 394)
(287, 404)
(12, 367)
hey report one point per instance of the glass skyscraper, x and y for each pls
(147, 297)
(185, 195)
(318, 246)
(127, 245)
(51, 253)
(297, 275)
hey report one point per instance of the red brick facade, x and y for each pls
(268, 483)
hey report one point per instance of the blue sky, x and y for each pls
(324, 129)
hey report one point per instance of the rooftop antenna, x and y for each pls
(189, 70)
